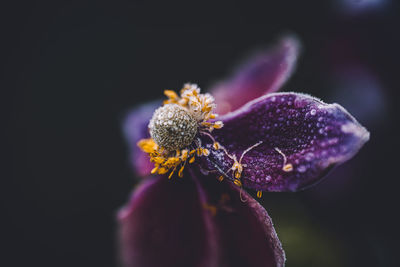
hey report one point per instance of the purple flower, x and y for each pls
(194, 211)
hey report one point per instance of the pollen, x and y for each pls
(172, 127)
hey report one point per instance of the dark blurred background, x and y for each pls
(74, 68)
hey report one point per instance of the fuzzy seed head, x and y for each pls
(172, 127)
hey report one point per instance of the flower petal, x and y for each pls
(246, 233)
(311, 135)
(264, 73)
(135, 128)
(165, 225)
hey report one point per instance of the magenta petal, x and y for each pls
(164, 224)
(313, 136)
(264, 73)
(135, 128)
(246, 233)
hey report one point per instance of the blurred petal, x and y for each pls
(264, 73)
(135, 128)
(246, 233)
(312, 135)
(164, 224)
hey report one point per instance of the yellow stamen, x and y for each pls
(180, 173)
(259, 194)
(199, 107)
(216, 145)
(218, 125)
(147, 145)
(288, 167)
(162, 170)
(237, 182)
(184, 155)
(153, 171)
(170, 94)
(221, 178)
(205, 123)
(171, 161)
(237, 174)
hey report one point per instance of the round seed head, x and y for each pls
(172, 127)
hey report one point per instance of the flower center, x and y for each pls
(173, 127)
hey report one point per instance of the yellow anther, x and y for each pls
(180, 173)
(216, 145)
(157, 160)
(197, 106)
(154, 169)
(147, 145)
(184, 155)
(288, 167)
(205, 123)
(162, 170)
(170, 94)
(183, 101)
(259, 194)
(221, 178)
(237, 182)
(171, 161)
(218, 125)
(237, 166)
(238, 174)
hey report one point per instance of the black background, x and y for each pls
(73, 69)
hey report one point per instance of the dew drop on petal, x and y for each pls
(301, 168)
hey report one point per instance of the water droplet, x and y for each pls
(309, 156)
(301, 168)
(313, 112)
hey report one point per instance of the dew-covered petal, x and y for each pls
(264, 73)
(246, 235)
(301, 139)
(164, 224)
(135, 128)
